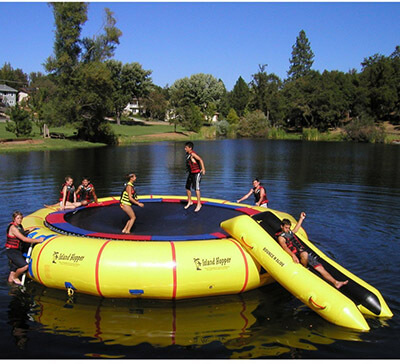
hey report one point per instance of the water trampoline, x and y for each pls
(173, 253)
(161, 219)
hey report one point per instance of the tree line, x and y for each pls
(84, 86)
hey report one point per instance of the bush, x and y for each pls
(21, 125)
(276, 133)
(253, 125)
(222, 128)
(363, 129)
(208, 132)
(100, 132)
(311, 134)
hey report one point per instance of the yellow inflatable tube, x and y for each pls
(312, 290)
(150, 269)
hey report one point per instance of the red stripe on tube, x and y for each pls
(246, 278)
(98, 268)
(38, 258)
(174, 275)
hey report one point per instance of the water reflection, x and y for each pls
(248, 325)
(18, 314)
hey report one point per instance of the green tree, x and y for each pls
(63, 64)
(42, 89)
(224, 104)
(232, 117)
(94, 104)
(69, 18)
(21, 124)
(201, 90)
(380, 75)
(395, 57)
(266, 96)
(192, 117)
(102, 47)
(302, 57)
(128, 81)
(299, 95)
(14, 78)
(321, 101)
(82, 80)
(240, 96)
(156, 103)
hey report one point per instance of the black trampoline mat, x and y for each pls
(154, 219)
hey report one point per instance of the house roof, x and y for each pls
(6, 88)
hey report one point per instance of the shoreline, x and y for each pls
(13, 145)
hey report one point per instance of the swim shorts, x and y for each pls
(193, 181)
(16, 259)
(313, 260)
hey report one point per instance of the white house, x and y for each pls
(8, 95)
(134, 107)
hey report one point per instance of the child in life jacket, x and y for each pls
(293, 246)
(16, 238)
(86, 191)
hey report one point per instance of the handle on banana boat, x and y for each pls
(316, 304)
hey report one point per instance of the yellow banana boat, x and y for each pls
(344, 307)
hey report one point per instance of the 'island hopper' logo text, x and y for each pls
(211, 264)
(70, 258)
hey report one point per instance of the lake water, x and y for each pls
(350, 192)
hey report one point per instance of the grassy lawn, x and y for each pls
(127, 134)
(145, 129)
(145, 132)
(4, 134)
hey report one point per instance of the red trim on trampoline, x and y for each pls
(174, 275)
(96, 274)
(55, 218)
(105, 203)
(219, 235)
(120, 236)
(38, 258)
(173, 200)
(248, 211)
(246, 278)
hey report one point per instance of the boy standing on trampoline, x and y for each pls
(195, 167)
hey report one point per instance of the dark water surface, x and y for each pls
(350, 192)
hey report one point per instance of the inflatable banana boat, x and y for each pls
(344, 307)
(174, 253)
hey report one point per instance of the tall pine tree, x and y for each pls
(302, 57)
(240, 96)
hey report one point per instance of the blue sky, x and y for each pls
(225, 39)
